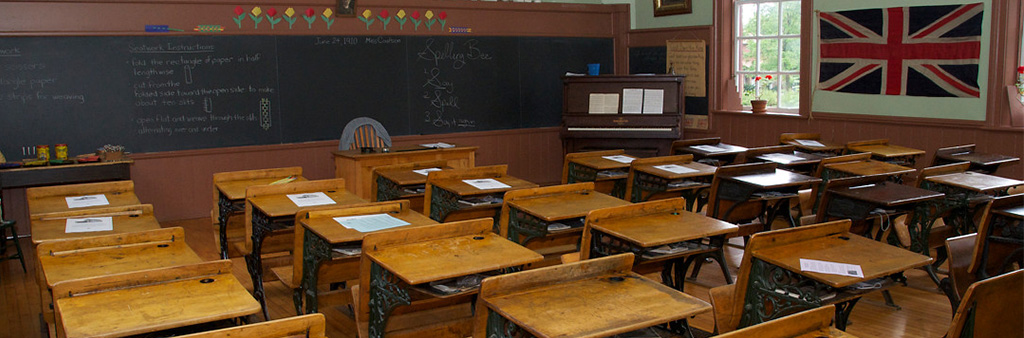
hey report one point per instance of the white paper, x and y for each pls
(632, 100)
(782, 158)
(810, 143)
(654, 101)
(310, 199)
(708, 148)
(486, 183)
(90, 224)
(619, 158)
(675, 168)
(368, 223)
(438, 145)
(87, 201)
(426, 171)
(831, 268)
(604, 103)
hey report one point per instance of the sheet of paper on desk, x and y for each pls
(486, 183)
(831, 268)
(310, 199)
(425, 171)
(87, 201)
(632, 100)
(782, 158)
(675, 168)
(91, 224)
(654, 101)
(810, 143)
(708, 148)
(438, 145)
(368, 223)
(619, 158)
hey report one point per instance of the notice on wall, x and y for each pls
(688, 57)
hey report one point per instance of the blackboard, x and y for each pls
(162, 93)
(651, 60)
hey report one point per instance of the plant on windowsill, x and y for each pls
(759, 106)
(1020, 83)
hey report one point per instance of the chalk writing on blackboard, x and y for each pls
(439, 90)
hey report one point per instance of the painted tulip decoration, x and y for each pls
(385, 18)
(441, 17)
(328, 17)
(271, 14)
(415, 19)
(255, 16)
(289, 15)
(310, 17)
(430, 18)
(400, 17)
(366, 17)
(240, 16)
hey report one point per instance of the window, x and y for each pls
(768, 43)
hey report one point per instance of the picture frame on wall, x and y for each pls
(346, 8)
(669, 7)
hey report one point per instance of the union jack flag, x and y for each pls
(913, 51)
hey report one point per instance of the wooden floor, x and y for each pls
(925, 311)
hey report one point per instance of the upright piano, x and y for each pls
(643, 135)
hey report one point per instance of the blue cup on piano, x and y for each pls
(593, 68)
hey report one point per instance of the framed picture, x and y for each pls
(669, 7)
(346, 8)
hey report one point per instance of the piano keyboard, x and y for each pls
(617, 129)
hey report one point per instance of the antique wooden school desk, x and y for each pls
(708, 150)
(269, 209)
(963, 191)
(151, 300)
(404, 181)
(229, 195)
(399, 265)
(985, 163)
(606, 168)
(812, 143)
(765, 182)
(883, 151)
(323, 234)
(599, 297)
(356, 167)
(448, 192)
(669, 174)
(786, 157)
(44, 200)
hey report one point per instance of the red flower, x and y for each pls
(239, 10)
(384, 13)
(769, 77)
(272, 12)
(442, 15)
(1020, 70)
(310, 12)
(415, 15)
(757, 78)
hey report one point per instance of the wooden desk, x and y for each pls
(269, 209)
(796, 161)
(127, 219)
(356, 167)
(399, 260)
(767, 183)
(883, 151)
(44, 200)
(827, 148)
(865, 168)
(644, 228)
(964, 191)
(778, 268)
(60, 175)
(645, 180)
(816, 323)
(985, 163)
(594, 167)
(593, 298)
(445, 189)
(149, 301)
(322, 234)
(229, 191)
(401, 181)
(723, 155)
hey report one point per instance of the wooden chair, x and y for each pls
(6, 225)
(234, 231)
(960, 250)
(416, 198)
(309, 326)
(728, 300)
(493, 171)
(364, 132)
(811, 323)
(991, 308)
(37, 195)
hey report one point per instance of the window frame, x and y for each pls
(737, 50)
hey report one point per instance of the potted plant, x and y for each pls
(759, 106)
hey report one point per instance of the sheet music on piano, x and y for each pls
(604, 103)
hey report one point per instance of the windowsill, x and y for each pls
(769, 113)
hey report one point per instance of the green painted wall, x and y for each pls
(642, 12)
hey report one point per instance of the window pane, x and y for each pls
(769, 55)
(791, 54)
(791, 17)
(769, 15)
(790, 86)
(748, 52)
(748, 20)
(748, 89)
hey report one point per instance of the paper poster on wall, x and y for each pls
(687, 57)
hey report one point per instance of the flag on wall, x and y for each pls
(913, 51)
